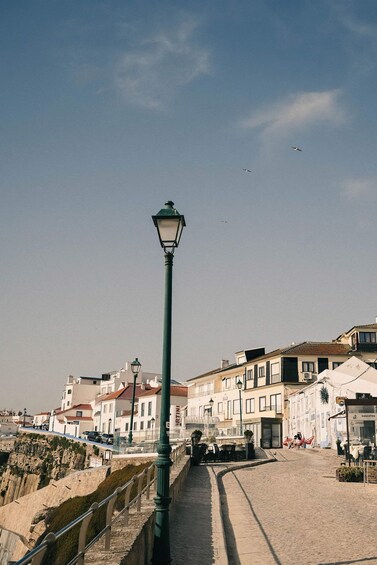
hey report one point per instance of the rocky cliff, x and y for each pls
(37, 459)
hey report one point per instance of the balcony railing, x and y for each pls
(277, 409)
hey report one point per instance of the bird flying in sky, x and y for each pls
(296, 148)
(247, 170)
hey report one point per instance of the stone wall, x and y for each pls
(25, 516)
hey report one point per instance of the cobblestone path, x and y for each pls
(294, 512)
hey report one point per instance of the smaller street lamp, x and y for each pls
(135, 368)
(211, 403)
(109, 426)
(152, 421)
(239, 386)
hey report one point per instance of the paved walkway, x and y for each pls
(289, 512)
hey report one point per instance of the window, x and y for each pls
(142, 408)
(250, 405)
(228, 413)
(226, 384)
(336, 364)
(135, 426)
(79, 413)
(69, 391)
(236, 406)
(219, 407)
(367, 337)
(261, 372)
(249, 375)
(141, 426)
(308, 366)
(262, 404)
(275, 402)
(275, 372)
(105, 408)
(150, 408)
(126, 427)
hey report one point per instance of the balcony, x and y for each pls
(278, 410)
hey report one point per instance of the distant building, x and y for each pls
(73, 421)
(41, 420)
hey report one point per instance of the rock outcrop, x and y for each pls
(37, 459)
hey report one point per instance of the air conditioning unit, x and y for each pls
(308, 377)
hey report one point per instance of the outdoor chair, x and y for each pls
(367, 453)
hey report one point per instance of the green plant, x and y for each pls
(248, 435)
(324, 394)
(350, 474)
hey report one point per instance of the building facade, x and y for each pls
(253, 392)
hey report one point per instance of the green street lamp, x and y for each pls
(211, 402)
(169, 224)
(239, 386)
(135, 368)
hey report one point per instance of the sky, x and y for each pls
(108, 109)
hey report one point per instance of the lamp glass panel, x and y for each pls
(169, 230)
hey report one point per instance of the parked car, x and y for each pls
(107, 438)
(93, 436)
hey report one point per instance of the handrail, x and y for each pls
(35, 556)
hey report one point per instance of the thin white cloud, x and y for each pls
(150, 74)
(297, 112)
(362, 187)
(366, 30)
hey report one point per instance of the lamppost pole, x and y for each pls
(169, 224)
(24, 417)
(239, 386)
(135, 367)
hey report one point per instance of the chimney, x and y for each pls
(224, 363)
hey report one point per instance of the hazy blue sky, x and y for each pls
(110, 108)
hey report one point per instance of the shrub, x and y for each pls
(350, 474)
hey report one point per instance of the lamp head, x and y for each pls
(239, 384)
(211, 402)
(169, 223)
(135, 366)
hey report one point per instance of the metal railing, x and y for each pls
(148, 475)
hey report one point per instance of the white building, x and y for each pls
(311, 407)
(146, 422)
(80, 390)
(41, 420)
(73, 421)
